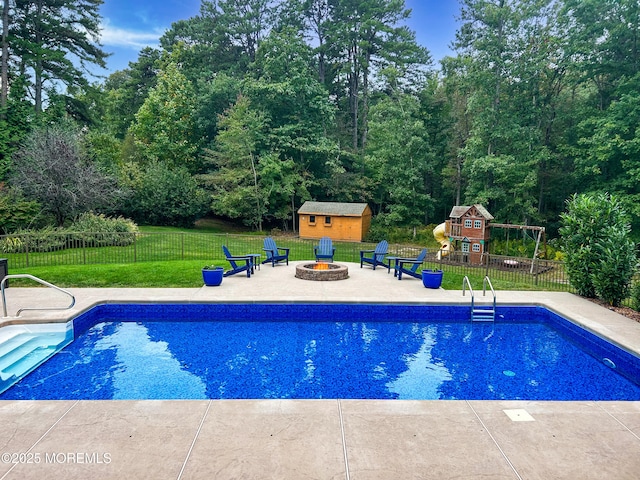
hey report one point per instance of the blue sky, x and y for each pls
(129, 25)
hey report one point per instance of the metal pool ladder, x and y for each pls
(26, 275)
(481, 313)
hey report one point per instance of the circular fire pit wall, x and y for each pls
(322, 271)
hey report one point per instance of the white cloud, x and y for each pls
(121, 37)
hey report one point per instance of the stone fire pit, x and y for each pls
(321, 271)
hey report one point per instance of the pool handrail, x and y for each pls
(466, 282)
(39, 280)
(486, 281)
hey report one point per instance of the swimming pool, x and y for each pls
(142, 351)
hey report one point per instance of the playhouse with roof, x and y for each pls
(468, 229)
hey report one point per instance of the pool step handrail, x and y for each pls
(489, 313)
(466, 283)
(481, 313)
(36, 279)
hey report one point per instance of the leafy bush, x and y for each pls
(612, 280)
(11, 244)
(635, 296)
(99, 230)
(164, 196)
(89, 230)
(15, 211)
(48, 239)
(599, 254)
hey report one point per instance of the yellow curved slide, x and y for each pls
(440, 236)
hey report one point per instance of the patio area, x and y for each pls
(320, 439)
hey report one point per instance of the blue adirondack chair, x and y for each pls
(274, 253)
(375, 257)
(238, 264)
(324, 250)
(414, 263)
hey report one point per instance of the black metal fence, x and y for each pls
(541, 273)
(32, 250)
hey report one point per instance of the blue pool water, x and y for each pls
(338, 351)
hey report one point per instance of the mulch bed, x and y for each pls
(625, 311)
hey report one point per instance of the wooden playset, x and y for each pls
(468, 231)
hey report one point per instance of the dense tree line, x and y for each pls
(254, 106)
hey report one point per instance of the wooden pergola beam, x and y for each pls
(517, 227)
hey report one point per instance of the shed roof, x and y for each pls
(333, 208)
(459, 210)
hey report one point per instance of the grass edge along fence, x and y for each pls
(27, 250)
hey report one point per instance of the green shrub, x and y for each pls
(89, 230)
(635, 296)
(164, 196)
(99, 230)
(612, 280)
(48, 239)
(11, 244)
(15, 211)
(599, 253)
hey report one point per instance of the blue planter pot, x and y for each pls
(432, 278)
(212, 277)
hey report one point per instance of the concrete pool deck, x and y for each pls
(320, 439)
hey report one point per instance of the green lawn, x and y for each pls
(146, 264)
(137, 275)
(179, 274)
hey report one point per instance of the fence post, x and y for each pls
(486, 267)
(26, 249)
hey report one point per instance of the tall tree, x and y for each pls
(235, 181)
(208, 47)
(400, 161)
(4, 58)
(605, 41)
(163, 128)
(365, 34)
(56, 40)
(246, 22)
(607, 157)
(287, 90)
(606, 51)
(316, 16)
(514, 64)
(126, 90)
(16, 124)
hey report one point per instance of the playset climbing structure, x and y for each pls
(468, 231)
